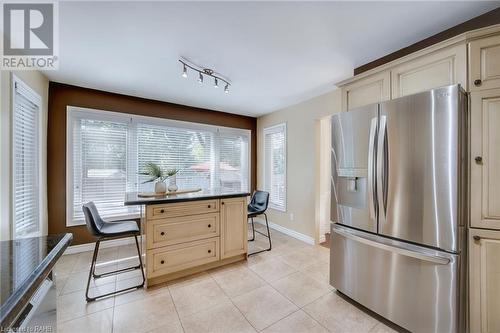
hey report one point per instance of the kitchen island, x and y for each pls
(187, 233)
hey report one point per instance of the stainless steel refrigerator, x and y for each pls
(399, 193)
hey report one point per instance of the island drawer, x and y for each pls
(175, 258)
(175, 230)
(162, 211)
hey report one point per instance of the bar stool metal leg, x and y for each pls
(140, 263)
(91, 272)
(96, 276)
(253, 231)
(268, 237)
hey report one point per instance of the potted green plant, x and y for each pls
(158, 175)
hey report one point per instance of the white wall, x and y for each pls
(39, 83)
(303, 160)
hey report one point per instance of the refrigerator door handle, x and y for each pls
(371, 168)
(395, 249)
(382, 168)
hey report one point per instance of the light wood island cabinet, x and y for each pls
(233, 227)
(189, 233)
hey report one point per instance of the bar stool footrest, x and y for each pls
(119, 271)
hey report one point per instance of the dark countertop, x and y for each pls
(24, 264)
(132, 198)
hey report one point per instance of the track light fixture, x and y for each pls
(204, 72)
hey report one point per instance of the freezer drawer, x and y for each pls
(415, 287)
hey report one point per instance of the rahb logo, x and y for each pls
(30, 36)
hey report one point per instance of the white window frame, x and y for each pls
(270, 130)
(35, 98)
(73, 112)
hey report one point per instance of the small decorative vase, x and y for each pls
(160, 187)
(172, 187)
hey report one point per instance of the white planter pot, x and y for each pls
(160, 187)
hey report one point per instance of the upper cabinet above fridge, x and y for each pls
(427, 69)
(438, 69)
(369, 90)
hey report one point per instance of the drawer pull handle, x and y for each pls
(162, 211)
(476, 238)
(162, 233)
(479, 160)
(222, 203)
(209, 251)
(162, 262)
(477, 82)
(210, 226)
(209, 206)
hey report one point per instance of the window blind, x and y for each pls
(100, 167)
(275, 165)
(189, 151)
(26, 163)
(109, 150)
(232, 172)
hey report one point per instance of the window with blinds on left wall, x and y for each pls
(107, 150)
(26, 152)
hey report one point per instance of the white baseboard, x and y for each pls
(289, 232)
(105, 244)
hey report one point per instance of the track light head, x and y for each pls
(200, 78)
(226, 89)
(184, 71)
(216, 83)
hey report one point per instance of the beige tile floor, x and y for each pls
(284, 290)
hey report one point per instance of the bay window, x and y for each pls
(106, 151)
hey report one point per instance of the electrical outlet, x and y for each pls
(291, 217)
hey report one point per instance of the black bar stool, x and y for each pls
(106, 231)
(258, 206)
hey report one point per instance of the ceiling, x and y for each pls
(276, 54)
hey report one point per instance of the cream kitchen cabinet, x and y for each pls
(484, 281)
(484, 68)
(234, 227)
(485, 159)
(437, 69)
(371, 89)
(184, 234)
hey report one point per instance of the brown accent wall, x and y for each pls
(63, 95)
(481, 21)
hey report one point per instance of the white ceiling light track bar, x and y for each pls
(202, 72)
